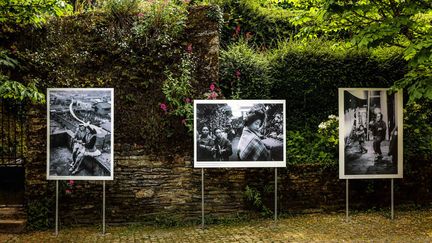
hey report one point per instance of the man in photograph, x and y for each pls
(222, 147)
(205, 145)
(250, 146)
(378, 128)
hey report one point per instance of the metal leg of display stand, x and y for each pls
(56, 208)
(103, 209)
(202, 198)
(275, 202)
(392, 200)
(346, 199)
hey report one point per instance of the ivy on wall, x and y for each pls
(140, 56)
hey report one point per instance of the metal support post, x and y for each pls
(202, 198)
(347, 199)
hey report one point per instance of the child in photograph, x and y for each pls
(361, 136)
(222, 147)
(205, 144)
(78, 144)
(250, 146)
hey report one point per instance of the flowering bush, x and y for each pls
(178, 90)
(329, 130)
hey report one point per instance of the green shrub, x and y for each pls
(121, 11)
(418, 131)
(308, 76)
(261, 21)
(244, 73)
(255, 198)
(162, 22)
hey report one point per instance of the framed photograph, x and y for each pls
(239, 133)
(80, 134)
(370, 133)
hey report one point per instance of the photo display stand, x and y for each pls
(239, 134)
(391, 199)
(370, 136)
(57, 212)
(80, 122)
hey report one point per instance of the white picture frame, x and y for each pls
(231, 120)
(370, 133)
(88, 155)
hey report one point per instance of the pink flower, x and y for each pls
(237, 30)
(212, 86)
(163, 107)
(189, 48)
(71, 182)
(187, 100)
(140, 15)
(68, 192)
(237, 73)
(183, 121)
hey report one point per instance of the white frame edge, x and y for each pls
(88, 178)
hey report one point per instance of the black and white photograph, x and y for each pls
(239, 133)
(80, 134)
(370, 134)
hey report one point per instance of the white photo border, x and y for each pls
(89, 178)
(239, 164)
(399, 124)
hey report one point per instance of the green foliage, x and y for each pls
(39, 214)
(21, 13)
(161, 21)
(309, 75)
(178, 91)
(15, 14)
(254, 197)
(10, 89)
(308, 147)
(215, 13)
(121, 12)
(15, 90)
(245, 73)
(399, 23)
(259, 21)
(329, 130)
(418, 131)
(92, 50)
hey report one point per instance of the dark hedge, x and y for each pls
(308, 78)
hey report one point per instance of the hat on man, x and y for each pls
(254, 115)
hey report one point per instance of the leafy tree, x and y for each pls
(403, 24)
(16, 14)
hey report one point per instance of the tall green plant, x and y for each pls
(245, 73)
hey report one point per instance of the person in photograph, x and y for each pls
(205, 145)
(78, 144)
(361, 136)
(222, 146)
(230, 132)
(250, 146)
(90, 149)
(378, 128)
(393, 145)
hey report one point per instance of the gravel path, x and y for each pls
(408, 226)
